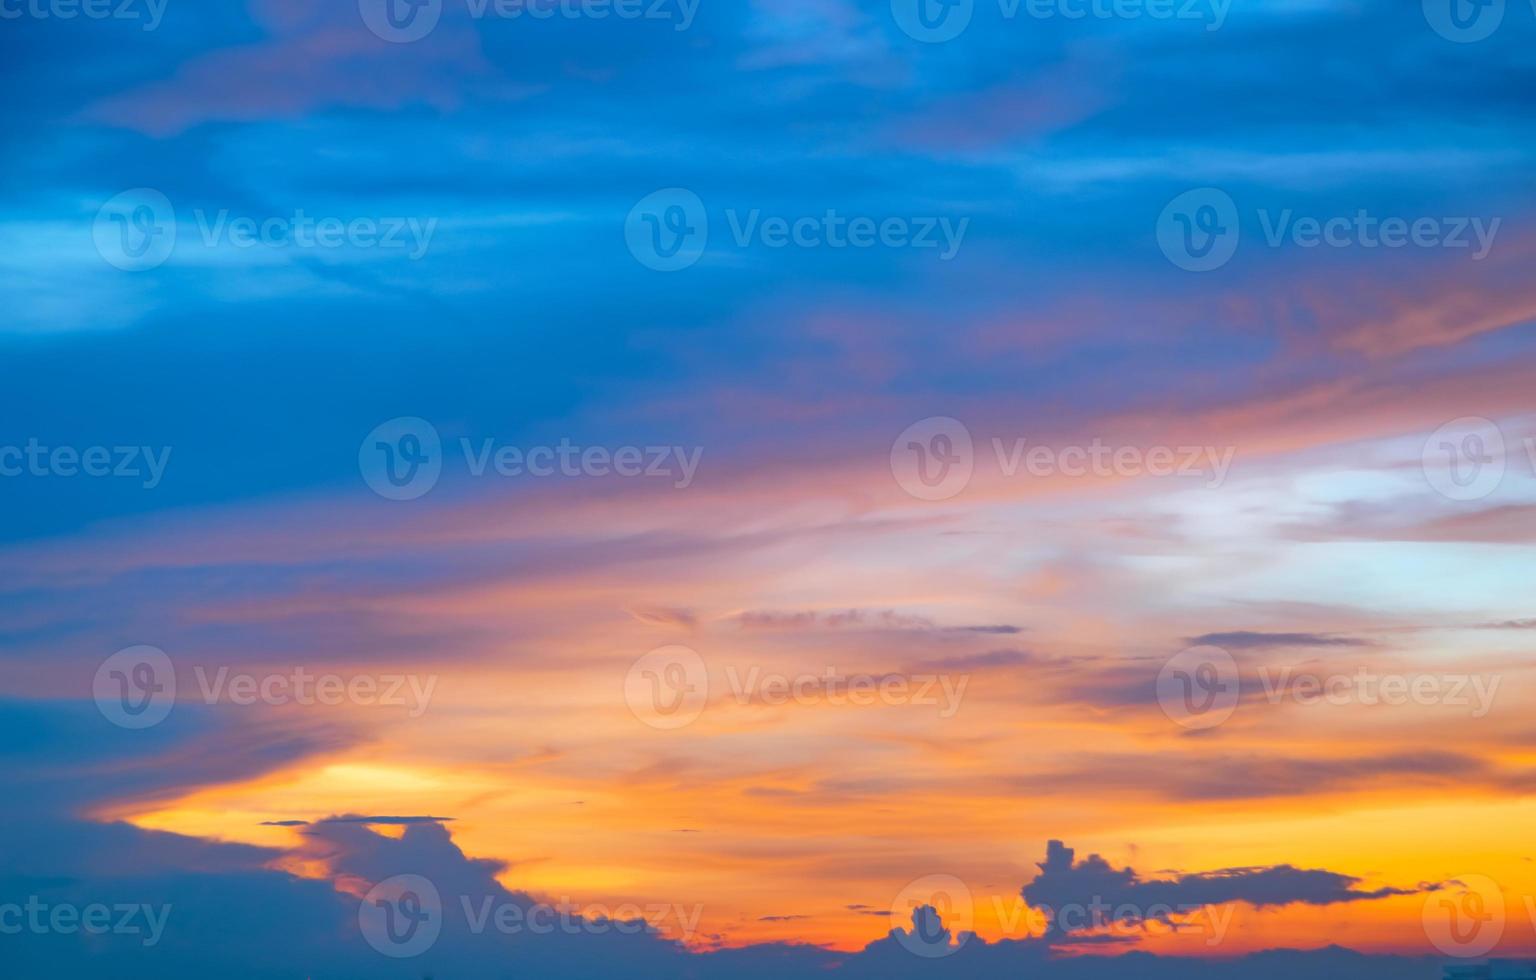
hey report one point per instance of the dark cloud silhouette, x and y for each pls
(1092, 894)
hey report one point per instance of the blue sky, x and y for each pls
(487, 184)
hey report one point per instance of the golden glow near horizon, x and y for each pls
(1023, 637)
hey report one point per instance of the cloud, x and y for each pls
(657, 616)
(1098, 895)
(857, 619)
(977, 661)
(1250, 640)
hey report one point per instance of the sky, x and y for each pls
(701, 488)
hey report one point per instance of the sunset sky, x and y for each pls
(665, 546)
